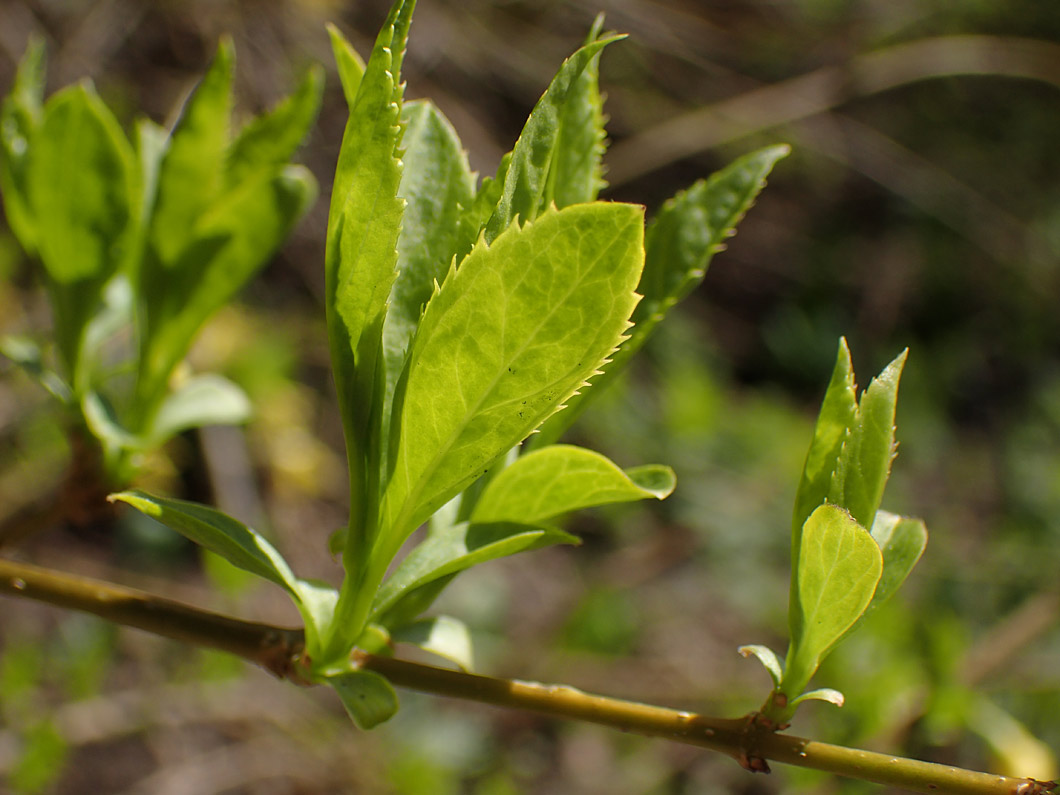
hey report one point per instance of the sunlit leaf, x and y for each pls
(840, 565)
(526, 178)
(360, 260)
(679, 245)
(510, 335)
(562, 478)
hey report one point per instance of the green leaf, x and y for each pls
(83, 192)
(437, 184)
(526, 179)
(270, 140)
(243, 547)
(768, 658)
(20, 115)
(218, 532)
(232, 241)
(901, 540)
(510, 335)
(838, 412)
(821, 694)
(679, 245)
(360, 260)
(864, 463)
(450, 550)
(576, 175)
(349, 64)
(840, 566)
(474, 218)
(369, 698)
(562, 478)
(444, 636)
(192, 171)
(201, 400)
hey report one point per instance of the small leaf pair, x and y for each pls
(848, 557)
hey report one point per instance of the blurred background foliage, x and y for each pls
(921, 208)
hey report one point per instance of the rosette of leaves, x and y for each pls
(847, 556)
(462, 318)
(141, 241)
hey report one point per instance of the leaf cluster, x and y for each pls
(462, 317)
(141, 240)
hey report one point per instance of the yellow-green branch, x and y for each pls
(277, 649)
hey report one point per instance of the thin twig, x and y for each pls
(278, 650)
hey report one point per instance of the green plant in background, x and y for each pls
(462, 318)
(141, 241)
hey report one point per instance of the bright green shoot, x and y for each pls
(462, 317)
(848, 556)
(151, 235)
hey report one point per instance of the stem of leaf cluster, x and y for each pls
(278, 650)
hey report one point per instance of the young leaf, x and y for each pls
(20, 115)
(534, 154)
(821, 694)
(243, 547)
(192, 171)
(510, 335)
(576, 175)
(363, 226)
(83, 193)
(270, 140)
(838, 411)
(679, 245)
(902, 541)
(202, 400)
(450, 550)
(768, 658)
(447, 637)
(348, 62)
(437, 184)
(562, 478)
(839, 567)
(369, 698)
(864, 463)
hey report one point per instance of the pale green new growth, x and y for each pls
(560, 478)
(840, 565)
(518, 328)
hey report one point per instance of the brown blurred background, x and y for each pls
(920, 208)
